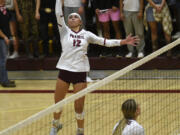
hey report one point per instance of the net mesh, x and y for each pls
(157, 92)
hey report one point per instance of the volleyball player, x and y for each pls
(73, 63)
(128, 125)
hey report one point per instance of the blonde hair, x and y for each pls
(128, 108)
(120, 127)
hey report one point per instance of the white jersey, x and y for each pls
(74, 45)
(132, 128)
(72, 3)
(131, 5)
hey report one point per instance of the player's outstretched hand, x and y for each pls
(131, 40)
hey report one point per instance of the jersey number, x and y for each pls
(76, 42)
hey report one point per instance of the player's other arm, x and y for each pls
(59, 15)
(112, 42)
(19, 17)
(37, 14)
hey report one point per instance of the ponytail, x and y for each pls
(120, 127)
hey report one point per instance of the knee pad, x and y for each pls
(80, 116)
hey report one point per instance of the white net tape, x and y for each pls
(89, 89)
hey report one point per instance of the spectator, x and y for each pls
(45, 14)
(106, 11)
(94, 26)
(158, 11)
(12, 6)
(132, 16)
(4, 42)
(74, 6)
(94, 18)
(174, 6)
(29, 27)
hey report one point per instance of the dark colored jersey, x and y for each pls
(4, 24)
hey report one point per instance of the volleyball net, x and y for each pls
(157, 92)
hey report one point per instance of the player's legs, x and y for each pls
(139, 31)
(3, 54)
(153, 27)
(13, 28)
(128, 26)
(168, 40)
(115, 17)
(106, 29)
(79, 107)
(35, 34)
(60, 92)
(24, 27)
(98, 25)
(117, 29)
(104, 20)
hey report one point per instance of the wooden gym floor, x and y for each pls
(158, 109)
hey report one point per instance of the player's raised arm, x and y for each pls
(59, 15)
(112, 42)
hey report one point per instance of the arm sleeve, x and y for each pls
(60, 18)
(92, 38)
(140, 131)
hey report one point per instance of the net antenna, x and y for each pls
(89, 89)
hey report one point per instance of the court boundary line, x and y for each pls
(96, 91)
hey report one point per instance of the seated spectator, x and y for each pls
(5, 35)
(132, 16)
(45, 14)
(29, 28)
(12, 6)
(158, 11)
(108, 11)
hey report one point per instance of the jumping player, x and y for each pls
(73, 63)
(129, 125)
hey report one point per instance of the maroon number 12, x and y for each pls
(76, 42)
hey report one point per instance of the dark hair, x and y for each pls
(128, 108)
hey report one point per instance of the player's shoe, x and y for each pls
(56, 127)
(14, 55)
(80, 132)
(129, 55)
(140, 55)
(88, 79)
